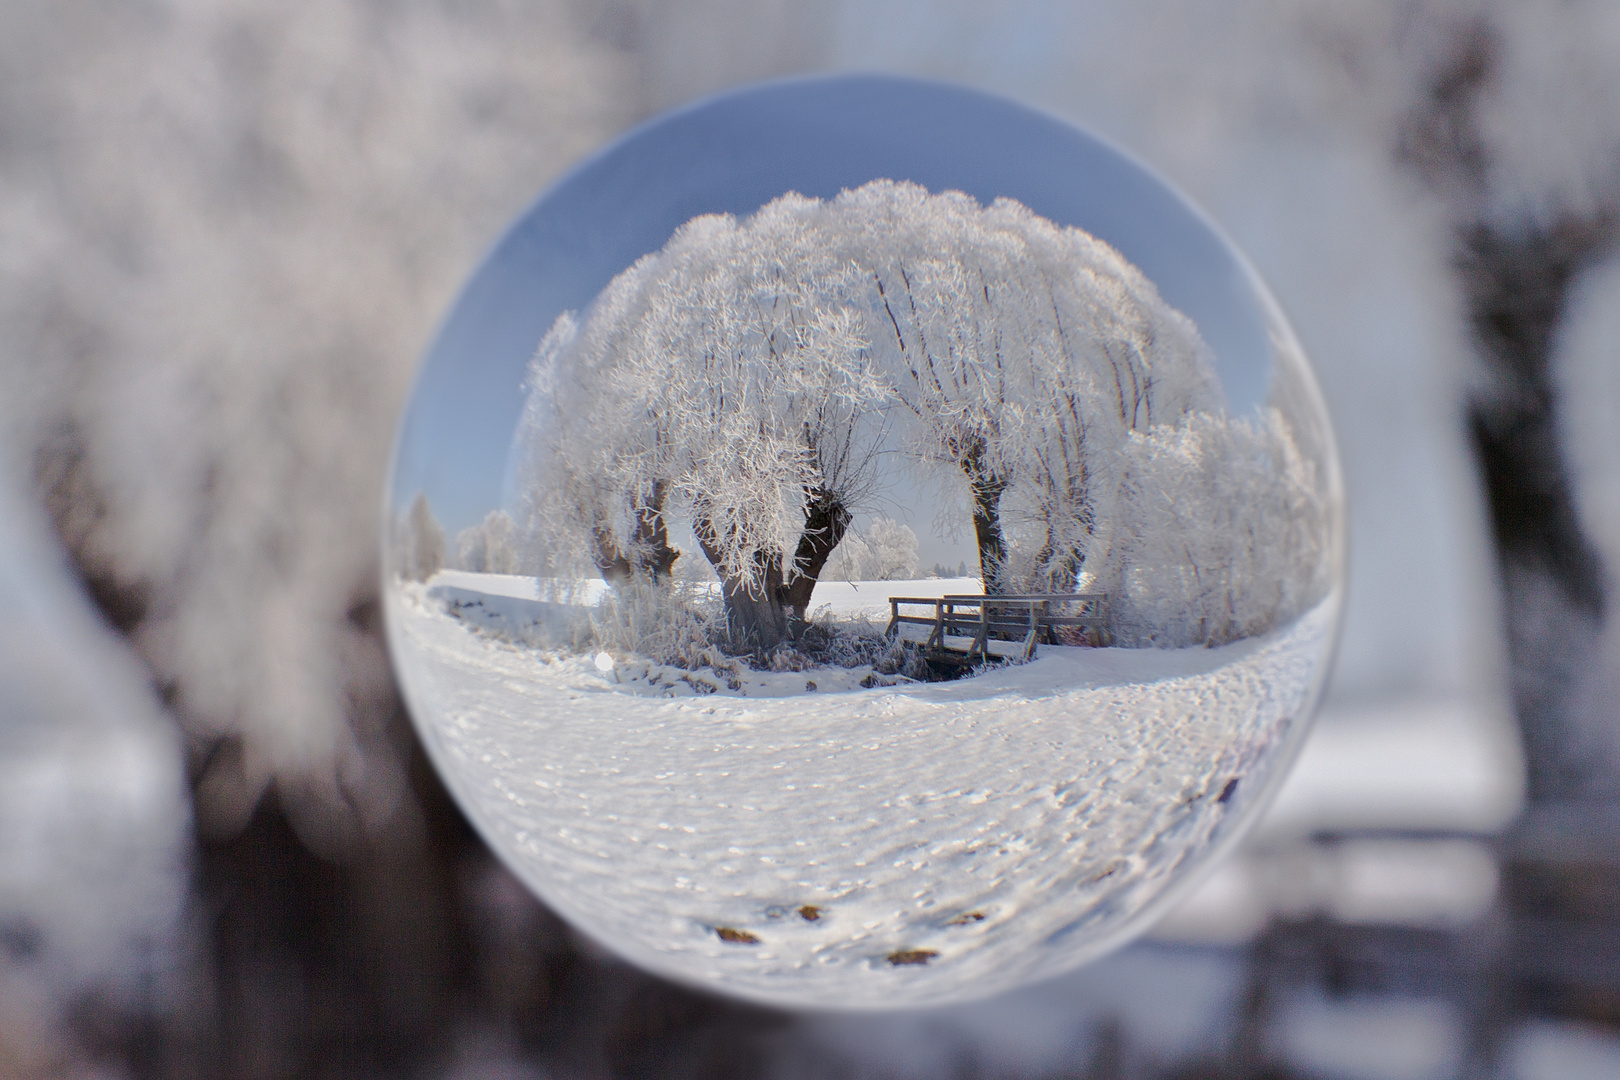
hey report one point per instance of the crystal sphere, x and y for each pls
(861, 543)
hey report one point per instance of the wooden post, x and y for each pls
(936, 639)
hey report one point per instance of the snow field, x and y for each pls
(998, 828)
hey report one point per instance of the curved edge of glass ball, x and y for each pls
(498, 309)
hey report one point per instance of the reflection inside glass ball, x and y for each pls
(889, 602)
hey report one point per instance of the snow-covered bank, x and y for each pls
(844, 599)
(870, 599)
(552, 614)
(1006, 824)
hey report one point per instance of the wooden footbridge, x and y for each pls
(969, 630)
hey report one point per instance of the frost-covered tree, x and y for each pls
(490, 547)
(893, 546)
(1023, 351)
(716, 376)
(746, 375)
(886, 550)
(567, 464)
(419, 541)
(1218, 530)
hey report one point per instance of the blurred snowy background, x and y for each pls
(226, 232)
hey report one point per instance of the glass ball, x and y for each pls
(862, 543)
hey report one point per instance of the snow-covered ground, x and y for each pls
(1001, 827)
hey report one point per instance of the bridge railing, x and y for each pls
(1025, 619)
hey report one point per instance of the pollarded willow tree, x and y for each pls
(1024, 354)
(716, 379)
(747, 376)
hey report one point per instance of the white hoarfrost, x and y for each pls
(886, 550)
(419, 542)
(916, 843)
(492, 546)
(1219, 532)
(750, 378)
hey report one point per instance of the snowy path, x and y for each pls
(1007, 822)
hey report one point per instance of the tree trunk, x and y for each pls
(987, 487)
(1552, 574)
(650, 543)
(987, 531)
(649, 555)
(1057, 565)
(825, 524)
(755, 618)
